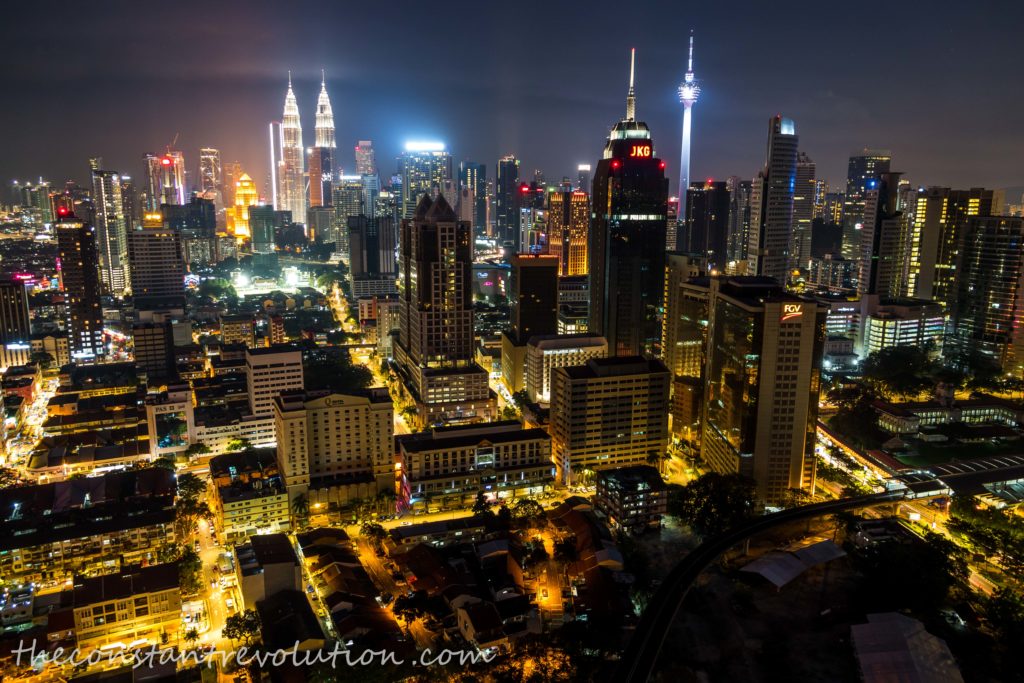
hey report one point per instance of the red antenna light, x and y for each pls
(616, 163)
(62, 211)
(165, 161)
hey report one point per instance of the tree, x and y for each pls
(187, 513)
(481, 506)
(300, 508)
(918, 575)
(43, 359)
(197, 449)
(238, 445)
(244, 626)
(217, 289)
(375, 534)
(899, 370)
(190, 571)
(504, 517)
(527, 509)
(164, 464)
(713, 503)
(191, 636)
(190, 486)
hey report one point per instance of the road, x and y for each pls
(644, 647)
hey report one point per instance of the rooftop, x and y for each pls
(133, 581)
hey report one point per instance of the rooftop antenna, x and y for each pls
(630, 96)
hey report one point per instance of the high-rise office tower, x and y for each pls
(348, 199)
(153, 347)
(79, 277)
(111, 230)
(884, 252)
(372, 266)
(157, 266)
(686, 317)
(196, 222)
(804, 194)
(988, 306)
(291, 191)
(583, 178)
(706, 227)
(820, 203)
(627, 240)
(210, 174)
(366, 161)
(938, 220)
(473, 176)
(371, 193)
(237, 216)
(771, 204)
(689, 91)
(269, 372)
(435, 348)
(739, 223)
(568, 225)
(761, 386)
(506, 210)
(165, 179)
(534, 300)
(609, 413)
(130, 203)
(15, 327)
(862, 175)
(262, 220)
(321, 163)
(425, 166)
(232, 172)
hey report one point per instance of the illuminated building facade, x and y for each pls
(862, 174)
(771, 204)
(246, 195)
(290, 171)
(689, 91)
(425, 166)
(111, 230)
(164, 179)
(568, 226)
(321, 162)
(761, 384)
(627, 241)
(505, 209)
(435, 348)
(79, 277)
(804, 196)
(366, 161)
(157, 265)
(210, 174)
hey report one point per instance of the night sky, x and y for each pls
(938, 83)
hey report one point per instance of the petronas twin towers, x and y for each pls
(288, 157)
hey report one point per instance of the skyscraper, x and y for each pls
(261, 229)
(157, 266)
(348, 199)
(435, 350)
(291, 192)
(706, 226)
(568, 228)
(939, 217)
(15, 327)
(627, 240)
(739, 223)
(689, 91)
(884, 251)
(762, 380)
(372, 266)
(237, 216)
(83, 314)
(473, 176)
(804, 195)
(165, 179)
(505, 207)
(111, 230)
(988, 308)
(366, 161)
(862, 174)
(425, 167)
(771, 204)
(583, 178)
(210, 177)
(321, 167)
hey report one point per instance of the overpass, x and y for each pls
(641, 655)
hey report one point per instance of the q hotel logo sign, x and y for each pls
(791, 311)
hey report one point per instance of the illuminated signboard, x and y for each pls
(790, 311)
(640, 151)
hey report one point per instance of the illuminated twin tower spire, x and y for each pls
(288, 156)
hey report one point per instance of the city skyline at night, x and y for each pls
(550, 109)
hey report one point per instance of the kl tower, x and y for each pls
(688, 93)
